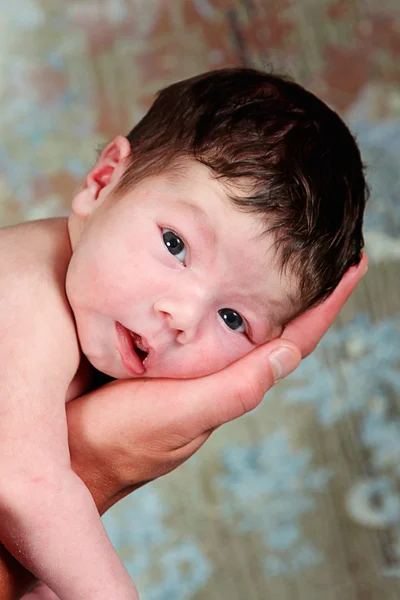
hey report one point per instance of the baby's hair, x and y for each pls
(290, 158)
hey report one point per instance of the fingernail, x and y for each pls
(283, 361)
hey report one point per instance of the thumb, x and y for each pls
(237, 389)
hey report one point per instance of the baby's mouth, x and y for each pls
(133, 349)
(139, 346)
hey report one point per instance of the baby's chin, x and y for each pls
(110, 369)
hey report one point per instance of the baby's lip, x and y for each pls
(131, 347)
(140, 343)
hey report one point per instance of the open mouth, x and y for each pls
(133, 350)
(139, 346)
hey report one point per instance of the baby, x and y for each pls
(235, 204)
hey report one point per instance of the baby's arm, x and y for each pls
(48, 519)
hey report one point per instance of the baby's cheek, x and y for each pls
(204, 357)
(218, 355)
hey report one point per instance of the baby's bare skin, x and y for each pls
(49, 521)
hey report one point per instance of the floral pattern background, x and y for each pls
(300, 499)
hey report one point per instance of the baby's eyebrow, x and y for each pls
(202, 219)
(276, 312)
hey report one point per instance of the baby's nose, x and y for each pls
(183, 316)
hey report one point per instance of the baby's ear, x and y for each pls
(102, 177)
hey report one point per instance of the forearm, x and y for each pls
(15, 580)
(88, 463)
(55, 517)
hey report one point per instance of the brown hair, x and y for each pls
(301, 165)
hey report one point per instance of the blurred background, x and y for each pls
(301, 499)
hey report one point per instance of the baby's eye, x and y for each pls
(174, 245)
(232, 319)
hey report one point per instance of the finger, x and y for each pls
(221, 397)
(307, 330)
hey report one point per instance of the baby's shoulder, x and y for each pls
(34, 253)
(34, 258)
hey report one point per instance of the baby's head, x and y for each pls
(235, 204)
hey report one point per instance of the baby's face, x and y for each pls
(170, 280)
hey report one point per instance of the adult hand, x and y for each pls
(130, 432)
